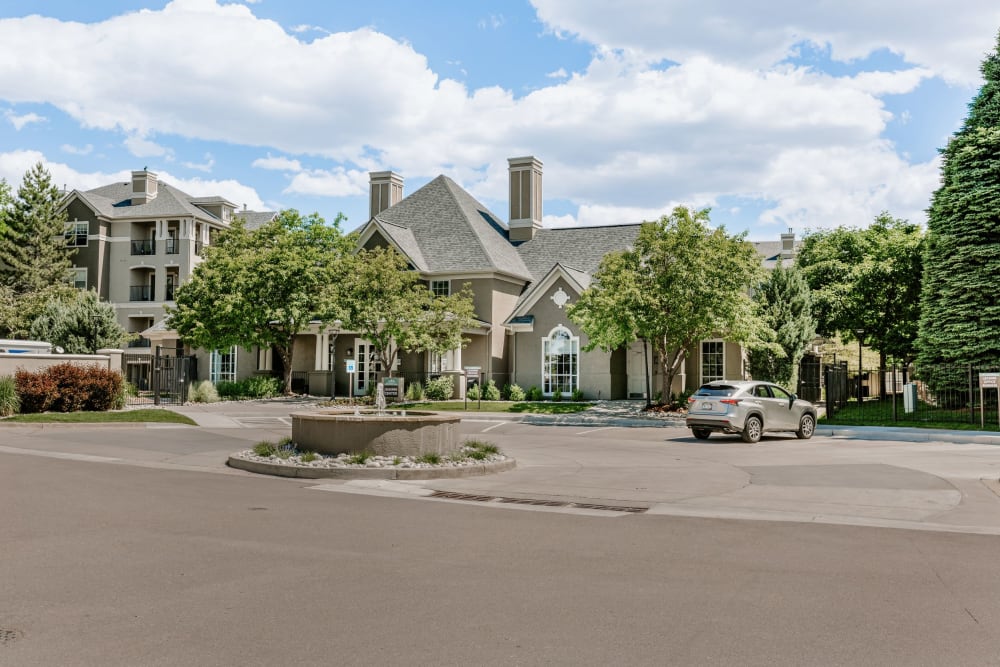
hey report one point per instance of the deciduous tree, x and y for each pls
(683, 282)
(262, 287)
(80, 323)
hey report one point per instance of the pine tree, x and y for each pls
(960, 311)
(32, 241)
(784, 303)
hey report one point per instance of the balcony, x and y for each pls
(198, 247)
(173, 246)
(144, 247)
(140, 293)
(139, 342)
(171, 289)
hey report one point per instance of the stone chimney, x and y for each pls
(143, 187)
(788, 244)
(525, 197)
(386, 189)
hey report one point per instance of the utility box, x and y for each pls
(909, 397)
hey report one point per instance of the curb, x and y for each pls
(628, 422)
(304, 472)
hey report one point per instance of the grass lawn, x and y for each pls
(126, 416)
(533, 407)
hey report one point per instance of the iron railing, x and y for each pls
(140, 293)
(143, 247)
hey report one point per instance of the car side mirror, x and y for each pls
(792, 400)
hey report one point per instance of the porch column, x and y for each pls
(321, 363)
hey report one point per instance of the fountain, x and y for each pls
(405, 433)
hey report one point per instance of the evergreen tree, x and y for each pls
(784, 304)
(32, 242)
(960, 312)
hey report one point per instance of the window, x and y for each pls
(222, 365)
(560, 362)
(78, 276)
(76, 234)
(441, 287)
(712, 360)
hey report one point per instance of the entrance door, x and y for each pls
(367, 366)
(636, 375)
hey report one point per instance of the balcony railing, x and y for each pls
(173, 246)
(139, 342)
(143, 247)
(140, 293)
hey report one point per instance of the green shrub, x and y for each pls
(477, 454)
(515, 393)
(262, 386)
(440, 388)
(264, 448)
(473, 393)
(577, 395)
(491, 392)
(360, 458)
(415, 392)
(557, 395)
(431, 458)
(309, 457)
(534, 394)
(228, 389)
(10, 402)
(480, 446)
(203, 392)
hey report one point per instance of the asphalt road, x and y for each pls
(154, 560)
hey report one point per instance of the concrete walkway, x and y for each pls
(613, 461)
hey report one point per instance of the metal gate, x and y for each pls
(809, 388)
(158, 378)
(837, 390)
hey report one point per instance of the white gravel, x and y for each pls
(344, 460)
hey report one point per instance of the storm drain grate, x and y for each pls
(9, 636)
(452, 495)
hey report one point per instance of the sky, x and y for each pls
(776, 115)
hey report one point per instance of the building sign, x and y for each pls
(472, 373)
(989, 380)
(391, 387)
(350, 366)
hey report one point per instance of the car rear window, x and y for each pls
(716, 390)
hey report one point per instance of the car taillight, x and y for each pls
(691, 399)
(730, 401)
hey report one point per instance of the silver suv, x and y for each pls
(749, 408)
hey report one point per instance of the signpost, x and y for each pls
(988, 381)
(349, 363)
(392, 388)
(472, 376)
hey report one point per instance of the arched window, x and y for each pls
(560, 362)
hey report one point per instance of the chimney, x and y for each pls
(386, 189)
(525, 197)
(788, 244)
(143, 186)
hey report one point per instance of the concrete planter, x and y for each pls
(393, 434)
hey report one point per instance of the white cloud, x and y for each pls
(205, 166)
(277, 163)
(20, 120)
(558, 74)
(951, 41)
(493, 21)
(329, 183)
(305, 27)
(621, 140)
(77, 150)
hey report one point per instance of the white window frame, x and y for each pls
(566, 337)
(73, 234)
(75, 278)
(222, 365)
(440, 287)
(705, 377)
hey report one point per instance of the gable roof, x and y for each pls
(577, 280)
(453, 232)
(580, 248)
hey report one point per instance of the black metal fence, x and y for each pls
(943, 393)
(159, 377)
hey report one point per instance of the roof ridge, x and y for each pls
(451, 186)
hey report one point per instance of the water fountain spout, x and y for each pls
(379, 400)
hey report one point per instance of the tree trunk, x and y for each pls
(285, 352)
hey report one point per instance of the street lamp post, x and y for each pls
(861, 335)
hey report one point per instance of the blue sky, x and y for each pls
(807, 115)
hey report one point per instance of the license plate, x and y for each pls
(706, 405)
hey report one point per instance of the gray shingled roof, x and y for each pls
(454, 232)
(579, 248)
(256, 219)
(405, 241)
(115, 201)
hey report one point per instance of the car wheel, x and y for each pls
(752, 429)
(701, 433)
(807, 426)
